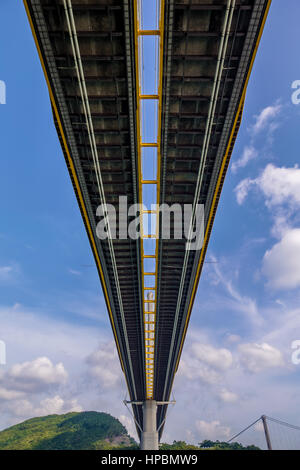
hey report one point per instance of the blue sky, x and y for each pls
(236, 362)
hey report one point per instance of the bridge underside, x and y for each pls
(209, 48)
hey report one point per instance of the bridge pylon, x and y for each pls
(149, 433)
(149, 436)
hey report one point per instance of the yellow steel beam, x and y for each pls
(149, 97)
(149, 32)
(148, 144)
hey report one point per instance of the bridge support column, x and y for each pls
(149, 436)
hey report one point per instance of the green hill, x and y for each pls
(84, 431)
(71, 431)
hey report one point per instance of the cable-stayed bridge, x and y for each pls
(269, 434)
(147, 98)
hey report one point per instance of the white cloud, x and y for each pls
(51, 405)
(217, 358)
(281, 222)
(265, 118)
(227, 396)
(7, 272)
(281, 264)
(104, 365)
(194, 369)
(281, 190)
(212, 430)
(31, 334)
(254, 393)
(21, 409)
(258, 357)
(265, 121)
(279, 302)
(74, 272)
(34, 376)
(279, 185)
(205, 363)
(242, 189)
(248, 154)
(6, 394)
(240, 303)
(38, 334)
(56, 405)
(233, 338)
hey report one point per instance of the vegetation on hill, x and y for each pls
(178, 445)
(84, 431)
(225, 446)
(71, 431)
(207, 445)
